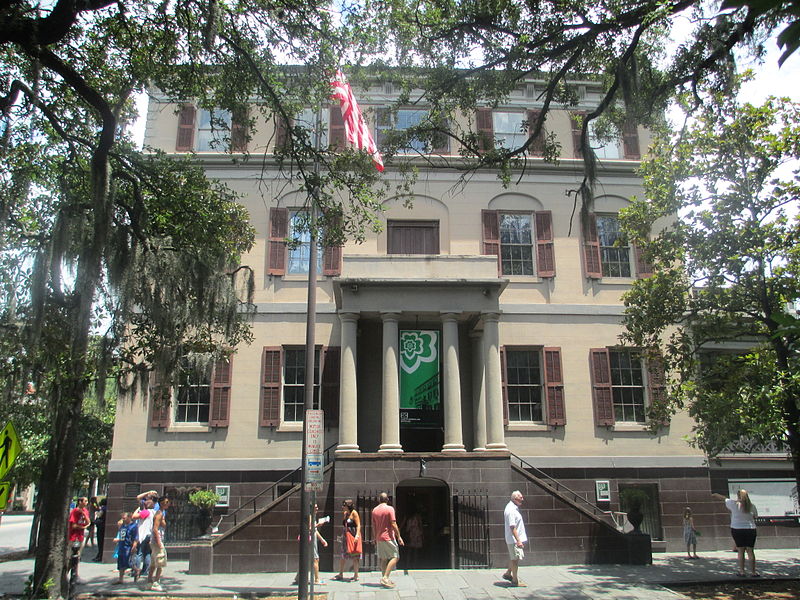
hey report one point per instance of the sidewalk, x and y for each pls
(567, 582)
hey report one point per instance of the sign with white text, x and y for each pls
(315, 461)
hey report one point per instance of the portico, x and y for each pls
(460, 315)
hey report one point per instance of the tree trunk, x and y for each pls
(791, 413)
(49, 575)
(68, 399)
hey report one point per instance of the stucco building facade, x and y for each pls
(469, 349)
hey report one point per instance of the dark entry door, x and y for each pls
(424, 518)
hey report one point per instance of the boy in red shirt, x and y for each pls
(77, 525)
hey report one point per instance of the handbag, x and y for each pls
(161, 558)
(353, 545)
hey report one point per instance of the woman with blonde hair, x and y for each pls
(743, 529)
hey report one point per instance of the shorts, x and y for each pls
(387, 550)
(515, 552)
(744, 538)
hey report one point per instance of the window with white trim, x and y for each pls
(510, 129)
(524, 385)
(193, 394)
(388, 121)
(213, 127)
(294, 378)
(615, 253)
(628, 386)
(605, 146)
(516, 244)
(300, 248)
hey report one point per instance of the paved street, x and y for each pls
(14, 532)
(565, 582)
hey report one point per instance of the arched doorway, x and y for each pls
(423, 515)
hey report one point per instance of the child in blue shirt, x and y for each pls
(126, 536)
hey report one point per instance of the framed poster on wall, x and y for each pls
(602, 490)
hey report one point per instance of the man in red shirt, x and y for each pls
(77, 525)
(387, 538)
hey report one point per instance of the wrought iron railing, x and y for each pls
(617, 517)
(270, 494)
(745, 445)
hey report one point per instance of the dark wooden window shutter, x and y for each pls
(278, 230)
(537, 144)
(239, 131)
(592, 262)
(504, 383)
(337, 139)
(576, 119)
(283, 128)
(644, 268)
(160, 396)
(331, 360)
(554, 387)
(485, 127)
(383, 124)
(630, 140)
(185, 139)
(271, 387)
(412, 237)
(601, 387)
(656, 382)
(491, 234)
(220, 410)
(545, 252)
(332, 256)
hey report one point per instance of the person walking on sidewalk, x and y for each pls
(78, 524)
(689, 533)
(515, 537)
(387, 538)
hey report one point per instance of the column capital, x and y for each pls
(390, 316)
(476, 334)
(349, 317)
(491, 316)
(449, 316)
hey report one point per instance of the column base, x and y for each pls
(500, 446)
(479, 449)
(453, 448)
(347, 449)
(395, 448)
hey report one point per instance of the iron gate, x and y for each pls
(471, 525)
(365, 502)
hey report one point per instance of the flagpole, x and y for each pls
(306, 557)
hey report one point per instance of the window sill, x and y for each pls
(616, 281)
(528, 426)
(290, 426)
(630, 427)
(525, 278)
(189, 428)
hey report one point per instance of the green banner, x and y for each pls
(420, 397)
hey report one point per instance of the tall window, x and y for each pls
(510, 129)
(193, 394)
(213, 126)
(308, 120)
(627, 386)
(294, 377)
(403, 119)
(604, 147)
(300, 249)
(516, 249)
(615, 253)
(524, 384)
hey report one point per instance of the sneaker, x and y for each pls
(156, 587)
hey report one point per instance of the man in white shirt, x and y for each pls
(515, 537)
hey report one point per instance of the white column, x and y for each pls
(495, 433)
(390, 406)
(478, 392)
(348, 387)
(453, 439)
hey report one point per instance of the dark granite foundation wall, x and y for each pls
(558, 533)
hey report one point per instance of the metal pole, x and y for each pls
(306, 552)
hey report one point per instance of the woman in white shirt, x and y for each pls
(743, 528)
